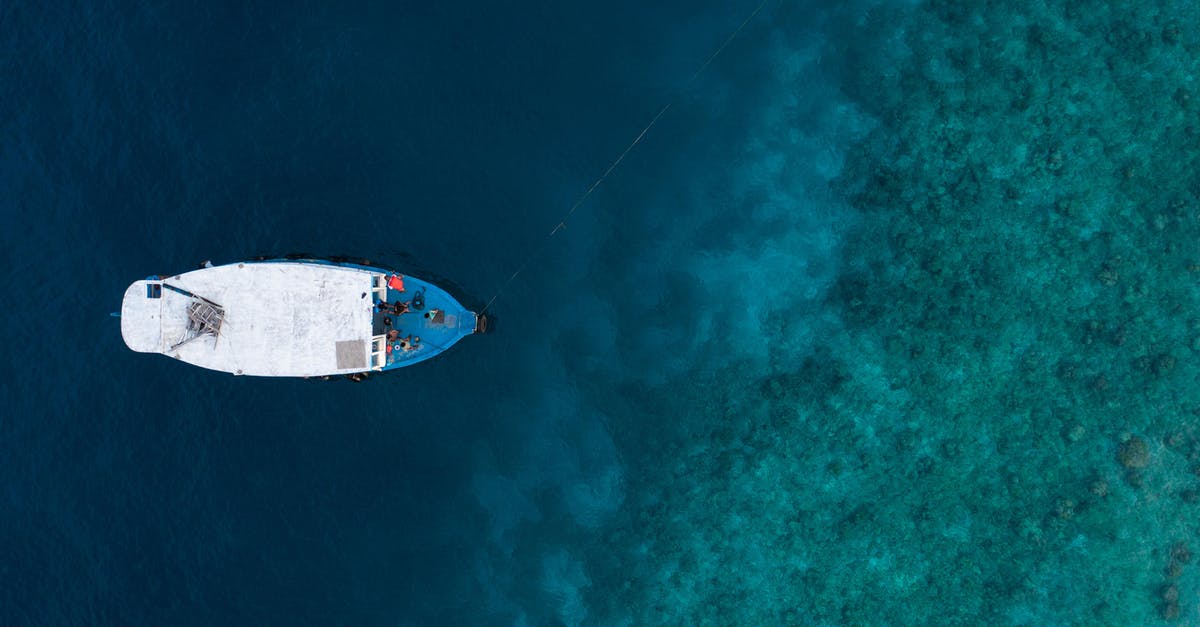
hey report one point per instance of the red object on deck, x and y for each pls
(396, 282)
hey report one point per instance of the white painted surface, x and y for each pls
(282, 319)
(140, 319)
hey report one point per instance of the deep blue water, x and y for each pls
(144, 138)
(886, 321)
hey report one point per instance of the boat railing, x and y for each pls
(379, 287)
(378, 352)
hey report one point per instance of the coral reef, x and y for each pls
(1015, 300)
(1133, 453)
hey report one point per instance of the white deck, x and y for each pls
(282, 319)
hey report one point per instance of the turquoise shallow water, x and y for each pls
(890, 320)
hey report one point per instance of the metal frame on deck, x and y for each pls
(204, 318)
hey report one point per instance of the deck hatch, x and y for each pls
(351, 354)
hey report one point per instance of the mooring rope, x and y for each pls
(562, 223)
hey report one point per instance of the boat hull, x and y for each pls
(293, 318)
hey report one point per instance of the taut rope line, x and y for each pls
(636, 140)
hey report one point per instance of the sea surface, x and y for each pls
(890, 319)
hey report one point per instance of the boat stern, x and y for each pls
(141, 316)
